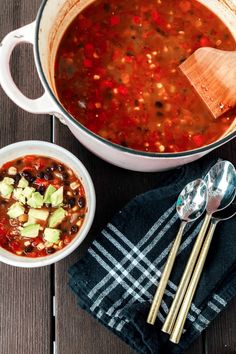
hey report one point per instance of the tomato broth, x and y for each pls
(116, 72)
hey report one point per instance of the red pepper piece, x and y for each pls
(198, 140)
(137, 20)
(204, 42)
(115, 20)
(88, 63)
(40, 181)
(6, 165)
(123, 90)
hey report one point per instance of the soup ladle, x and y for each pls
(190, 205)
(221, 185)
(222, 215)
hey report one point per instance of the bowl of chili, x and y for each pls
(110, 73)
(47, 203)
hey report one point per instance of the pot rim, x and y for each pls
(121, 148)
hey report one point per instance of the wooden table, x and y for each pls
(37, 310)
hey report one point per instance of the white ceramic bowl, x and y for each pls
(42, 148)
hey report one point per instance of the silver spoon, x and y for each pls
(221, 185)
(222, 215)
(190, 205)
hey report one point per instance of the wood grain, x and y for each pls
(221, 335)
(25, 306)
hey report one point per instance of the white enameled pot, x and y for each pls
(44, 34)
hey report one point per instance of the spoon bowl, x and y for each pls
(192, 201)
(221, 183)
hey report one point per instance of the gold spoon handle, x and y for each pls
(165, 276)
(179, 324)
(173, 312)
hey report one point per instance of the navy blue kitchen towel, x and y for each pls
(116, 280)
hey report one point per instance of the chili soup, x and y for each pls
(42, 206)
(116, 72)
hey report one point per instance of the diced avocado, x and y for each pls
(28, 191)
(23, 183)
(41, 214)
(30, 221)
(36, 200)
(16, 210)
(56, 217)
(17, 194)
(47, 196)
(57, 198)
(8, 180)
(30, 230)
(51, 235)
(5, 190)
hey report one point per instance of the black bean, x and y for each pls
(48, 176)
(65, 176)
(75, 192)
(26, 174)
(17, 177)
(41, 189)
(158, 104)
(50, 250)
(28, 249)
(61, 168)
(71, 202)
(81, 202)
(48, 169)
(40, 175)
(106, 7)
(74, 229)
(54, 167)
(31, 179)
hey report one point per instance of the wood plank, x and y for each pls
(25, 306)
(221, 335)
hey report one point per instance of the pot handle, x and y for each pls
(24, 34)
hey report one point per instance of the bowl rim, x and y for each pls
(125, 150)
(55, 151)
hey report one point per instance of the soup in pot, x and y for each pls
(116, 72)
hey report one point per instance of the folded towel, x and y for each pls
(116, 280)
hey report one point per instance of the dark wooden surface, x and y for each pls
(26, 296)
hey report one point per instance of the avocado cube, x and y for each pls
(31, 231)
(23, 183)
(51, 235)
(28, 191)
(57, 198)
(40, 214)
(5, 190)
(47, 196)
(36, 200)
(8, 180)
(56, 217)
(16, 210)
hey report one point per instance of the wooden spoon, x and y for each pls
(212, 72)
